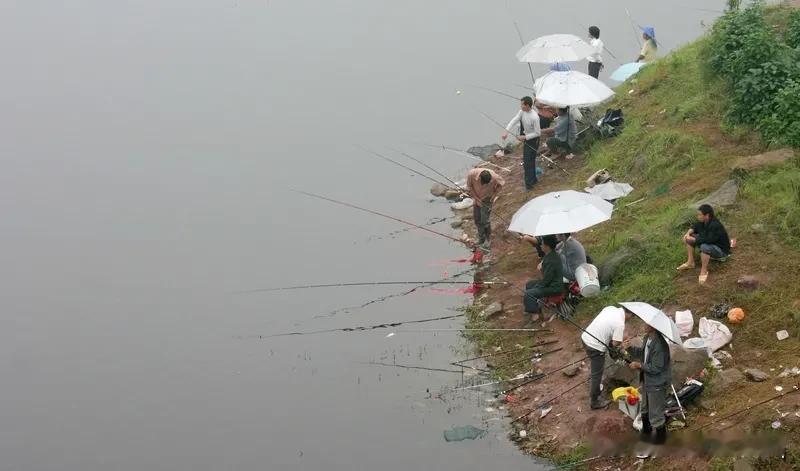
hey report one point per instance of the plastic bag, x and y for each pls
(716, 334)
(685, 322)
(457, 434)
(694, 343)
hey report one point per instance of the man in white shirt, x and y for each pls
(596, 59)
(526, 122)
(606, 330)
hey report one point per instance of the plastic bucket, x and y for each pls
(588, 281)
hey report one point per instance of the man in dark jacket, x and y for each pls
(552, 282)
(710, 236)
(655, 375)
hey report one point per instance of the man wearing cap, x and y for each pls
(605, 332)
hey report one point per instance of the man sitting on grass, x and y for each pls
(562, 136)
(551, 284)
(710, 236)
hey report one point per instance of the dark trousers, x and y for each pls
(533, 292)
(482, 214)
(530, 150)
(597, 360)
(594, 69)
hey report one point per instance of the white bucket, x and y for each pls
(588, 281)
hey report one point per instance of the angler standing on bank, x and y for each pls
(483, 186)
(527, 123)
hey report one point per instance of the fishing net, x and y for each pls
(468, 432)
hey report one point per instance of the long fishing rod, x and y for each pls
(794, 389)
(535, 356)
(465, 154)
(381, 156)
(359, 328)
(540, 405)
(408, 367)
(515, 98)
(508, 352)
(545, 375)
(389, 296)
(474, 330)
(456, 185)
(374, 283)
(634, 25)
(349, 205)
(522, 42)
(524, 143)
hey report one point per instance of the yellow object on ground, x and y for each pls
(624, 392)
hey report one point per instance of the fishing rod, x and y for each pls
(475, 330)
(524, 143)
(456, 185)
(542, 344)
(634, 26)
(359, 328)
(492, 383)
(374, 283)
(539, 406)
(402, 165)
(431, 222)
(522, 42)
(604, 45)
(465, 154)
(535, 356)
(349, 205)
(794, 389)
(515, 98)
(543, 375)
(389, 296)
(408, 367)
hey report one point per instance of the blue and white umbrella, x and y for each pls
(626, 71)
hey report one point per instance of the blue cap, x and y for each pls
(560, 67)
(650, 31)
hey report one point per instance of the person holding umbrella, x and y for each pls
(655, 371)
(527, 122)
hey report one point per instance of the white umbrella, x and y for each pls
(555, 48)
(655, 318)
(610, 191)
(560, 212)
(571, 88)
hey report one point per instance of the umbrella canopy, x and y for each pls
(559, 213)
(611, 190)
(626, 71)
(655, 318)
(571, 88)
(555, 48)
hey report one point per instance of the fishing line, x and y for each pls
(358, 328)
(472, 330)
(432, 222)
(456, 185)
(634, 26)
(465, 154)
(515, 98)
(372, 283)
(522, 42)
(408, 367)
(545, 375)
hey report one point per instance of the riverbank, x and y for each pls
(677, 148)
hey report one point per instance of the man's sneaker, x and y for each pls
(600, 403)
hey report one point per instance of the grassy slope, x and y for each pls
(674, 151)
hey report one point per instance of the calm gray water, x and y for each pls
(147, 152)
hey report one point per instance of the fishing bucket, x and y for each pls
(588, 281)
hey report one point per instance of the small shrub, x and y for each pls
(792, 34)
(782, 125)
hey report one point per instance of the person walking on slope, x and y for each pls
(483, 186)
(604, 334)
(596, 59)
(527, 122)
(655, 376)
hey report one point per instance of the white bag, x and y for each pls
(716, 334)
(466, 203)
(695, 343)
(685, 322)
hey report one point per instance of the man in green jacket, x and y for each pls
(655, 375)
(552, 282)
